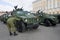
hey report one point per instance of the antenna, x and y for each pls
(22, 4)
(16, 6)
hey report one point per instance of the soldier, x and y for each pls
(11, 25)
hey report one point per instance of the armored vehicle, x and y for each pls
(46, 19)
(27, 20)
(4, 17)
(57, 16)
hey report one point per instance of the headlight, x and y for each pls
(25, 20)
(37, 19)
(9, 15)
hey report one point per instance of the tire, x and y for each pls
(23, 27)
(53, 23)
(20, 26)
(35, 26)
(4, 22)
(47, 22)
(58, 18)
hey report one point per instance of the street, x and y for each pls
(42, 33)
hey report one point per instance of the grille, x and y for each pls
(32, 20)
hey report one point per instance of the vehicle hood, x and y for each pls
(50, 16)
(27, 16)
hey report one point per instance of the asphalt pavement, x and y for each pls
(42, 33)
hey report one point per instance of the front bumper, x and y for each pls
(32, 25)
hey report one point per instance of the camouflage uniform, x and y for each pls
(10, 24)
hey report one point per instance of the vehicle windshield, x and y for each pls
(24, 13)
(21, 13)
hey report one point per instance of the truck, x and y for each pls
(57, 16)
(27, 20)
(45, 19)
(4, 17)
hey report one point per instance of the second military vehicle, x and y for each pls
(4, 17)
(57, 16)
(46, 19)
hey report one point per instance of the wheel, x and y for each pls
(47, 22)
(20, 26)
(53, 23)
(58, 18)
(4, 22)
(23, 27)
(35, 26)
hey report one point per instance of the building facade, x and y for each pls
(1, 13)
(48, 6)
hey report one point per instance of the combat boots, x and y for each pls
(11, 34)
(15, 34)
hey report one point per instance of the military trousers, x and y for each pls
(11, 27)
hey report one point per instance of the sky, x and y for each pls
(8, 5)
